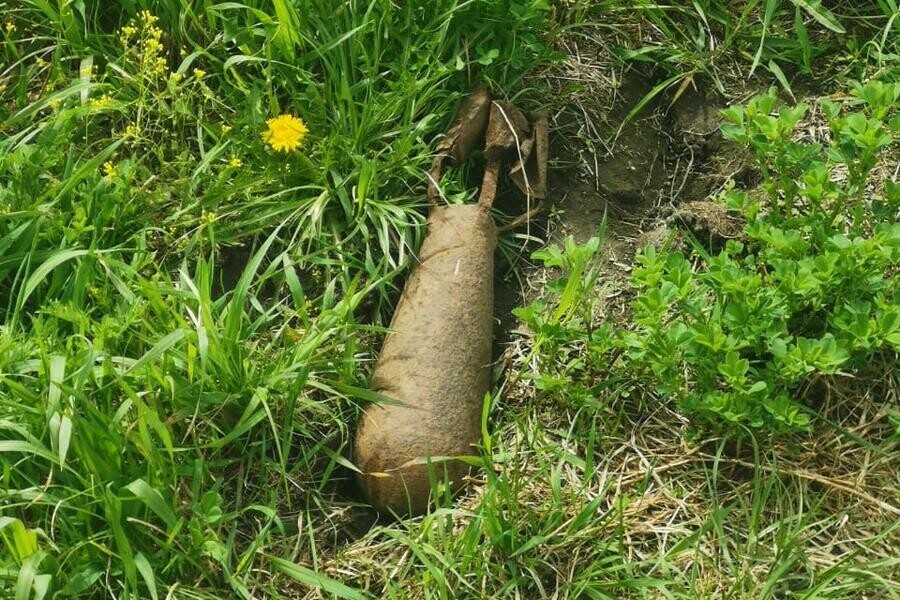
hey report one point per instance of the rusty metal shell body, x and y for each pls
(436, 362)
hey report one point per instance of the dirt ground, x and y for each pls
(640, 183)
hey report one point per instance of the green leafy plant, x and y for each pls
(567, 344)
(810, 291)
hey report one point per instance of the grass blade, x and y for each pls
(316, 580)
(821, 14)
(154, 500)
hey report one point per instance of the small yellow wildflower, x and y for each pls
(235, 162)
(53, 104)
(147, 17)
(199, 73)
(226, 129)
(285, 133)
(132, 132)
(10, 27)
(153, 46)
(101, 102)
(176, 77)
(126, 33)
(109, 170)
(208, 217)
(40, 62)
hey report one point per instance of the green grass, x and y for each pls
(184, 311)
(187, 318)
(708, 43)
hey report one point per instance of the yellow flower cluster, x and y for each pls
(147, 38)
(109, 170)
(148, 18)
(10, 27)
(100, 102)
(132, 133)
(126, 33)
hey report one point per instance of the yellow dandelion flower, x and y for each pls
(199, 73)
(235, 162)
(285, 133)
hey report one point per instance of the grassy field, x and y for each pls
(207, 210)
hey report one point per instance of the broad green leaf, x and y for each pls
(779, 75)
(64, 438)
(146, 571)
(316, 580)
(39, 274)
(154, 501)
(27, 448)
(57, 374)
(21, 542)
(28, 572)
(157, 350)
(85, 72)
(821, 14)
